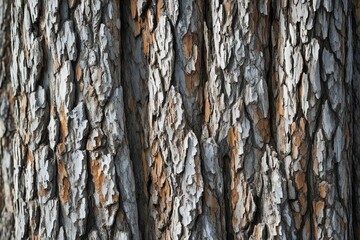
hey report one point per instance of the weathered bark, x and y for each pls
(356, 115)
(311, 87)
(6, 127)
(72, 173)
(179, 119)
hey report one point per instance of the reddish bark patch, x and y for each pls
(263, 126)
(81, 86)
(233, 137)
(298, 220)
(42, 191)
(323, 189)
(30, 158)
(319, 208)
(227, 7)
(145, 172)
(157, 168)
(64, 191)
(52, 109)
(137, 28)
(78, 72)
(234, 195)
(161, 184)
(63, 182)
(188, 45)
(188, 82)
(159, 7)
(254, 19)
(192, 79)
(303, 202)
(300, 180)
(148, 39)
(165, 194)
(133, 8)
(24, 104)
(212, 202)
(98, 178)
(207, 107)
(307, 228)
(63, 124)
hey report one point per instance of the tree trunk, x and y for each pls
(179, 119)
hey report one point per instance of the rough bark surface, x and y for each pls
(179, 119)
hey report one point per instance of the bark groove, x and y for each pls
(153, 119)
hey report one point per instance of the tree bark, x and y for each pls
(152, 119)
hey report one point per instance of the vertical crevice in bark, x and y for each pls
(269, 76)
(171, 80)
(238, 112)
(188, 59)
(70, 122)
(309, 113)
(6, 126)
(289, 124)
(356, 117)
(136, 98)
(227, 196)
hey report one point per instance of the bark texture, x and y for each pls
(179, 119)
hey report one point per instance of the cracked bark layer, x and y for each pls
(72, 173)
(152, 119)
(311, 91)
